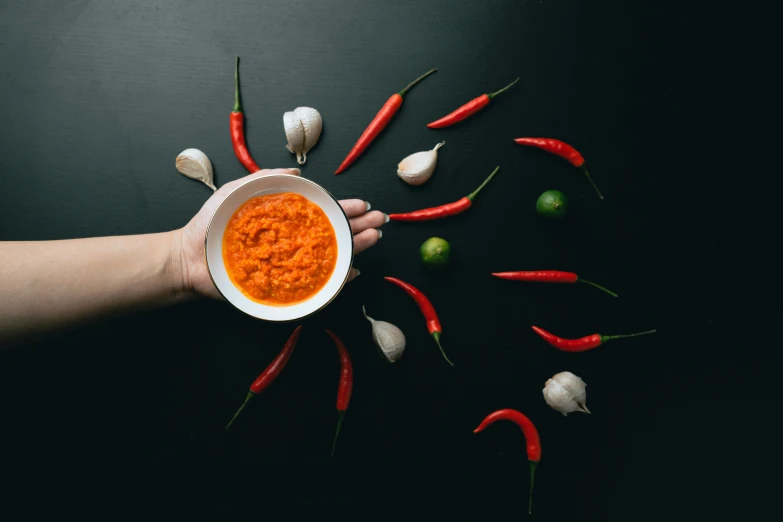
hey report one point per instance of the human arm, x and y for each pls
(46, 286)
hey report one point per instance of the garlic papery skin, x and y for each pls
(195, 164)
(313, 125)
(417, 168)
(565, 392)
(294, 133)
(387, 337)
(303, 127)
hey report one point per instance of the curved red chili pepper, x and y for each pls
(467, 110)
(583, 343)
(549, 276)
(531, 439)
(238, 128)
(556, 147)
(562, 149)
(378, 123)
(427, 310)
(271, 372)
(345, 386)
(450, 209)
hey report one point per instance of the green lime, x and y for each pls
(552, 204)
(435, 252)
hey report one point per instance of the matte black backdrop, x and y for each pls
(125, 419)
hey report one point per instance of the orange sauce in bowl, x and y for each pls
(279, 249)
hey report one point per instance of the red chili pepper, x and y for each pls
(562, 149)
(268, 376)
(345, 386)
(467, 110)
(531, 439)
(450, 209)
(582, 344)
(238, 128)
(433, 323)
(549, 276)
(379, 123)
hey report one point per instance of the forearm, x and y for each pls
(50, 285)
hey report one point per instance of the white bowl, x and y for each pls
(274, 184)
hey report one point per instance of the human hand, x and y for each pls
(189, 259)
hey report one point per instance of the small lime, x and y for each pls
(552, 204)
(435, 252)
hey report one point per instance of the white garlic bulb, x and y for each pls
(195, 164)
(303, 127)
(417, 168)
(565, 392)
(387, 337)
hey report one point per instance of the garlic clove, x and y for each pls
(195, 164)
(565, 392)
(417, 168)
(388, 338)
(294, 133)
(303, 127)
(313, 125)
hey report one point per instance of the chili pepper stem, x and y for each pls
(533, 465)
(592, 182)
(249, 396)
(414, 82)
(605, 338)
(436, 336)
(340, 417)
(475, 192)
(597, 286)
(237, 102)
(504, 89)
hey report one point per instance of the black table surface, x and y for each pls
(125, 419)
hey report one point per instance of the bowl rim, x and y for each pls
(342, 284)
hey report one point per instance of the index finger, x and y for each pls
(354, 207)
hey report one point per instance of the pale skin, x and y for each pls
(48, 286)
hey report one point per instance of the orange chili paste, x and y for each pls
(279, 249)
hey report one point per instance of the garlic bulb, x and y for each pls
(387, 337)
(565, 392)
(417, 168)
(195, 164)
(303, 127)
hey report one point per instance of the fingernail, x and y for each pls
(380, 233)
(386, 218)
(298, 171)
(357, 272)
(368, 205)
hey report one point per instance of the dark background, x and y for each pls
(125, 419)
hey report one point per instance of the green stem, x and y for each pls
(507, 87)
(605, 338)
(592, 182)
(249, 396)
(237, 102)
(436, 336)
(340, 417)
(414, 82)
(475, 192)
(533, 465)
(597, 286)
